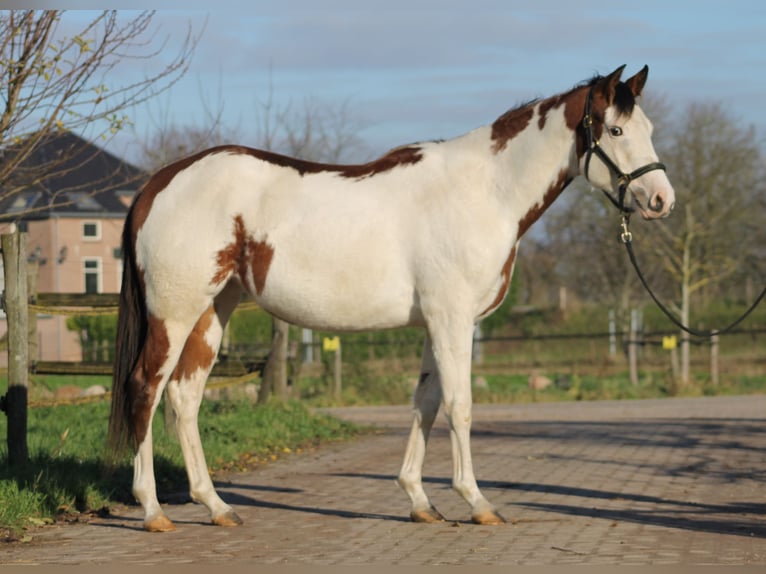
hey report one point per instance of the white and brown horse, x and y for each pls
(425, 235)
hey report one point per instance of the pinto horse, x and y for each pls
(426, 235)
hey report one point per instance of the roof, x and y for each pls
(68, 176)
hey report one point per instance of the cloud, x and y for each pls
(435, 69)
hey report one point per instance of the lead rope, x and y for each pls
(627, 238)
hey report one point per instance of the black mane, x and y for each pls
(624, 100)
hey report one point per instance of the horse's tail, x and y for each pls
(131, 334)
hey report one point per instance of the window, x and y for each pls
(92, 271)
(84, 201)
(23, 202)
(91, 231)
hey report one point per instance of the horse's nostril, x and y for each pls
(657, 204)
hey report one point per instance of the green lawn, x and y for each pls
(68, 474)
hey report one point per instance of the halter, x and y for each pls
(623, 178)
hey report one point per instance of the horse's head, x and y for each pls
(619, 133)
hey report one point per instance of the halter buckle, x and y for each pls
(625, 235)
(624, 180)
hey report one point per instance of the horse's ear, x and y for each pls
(609, 83)
(636, 83)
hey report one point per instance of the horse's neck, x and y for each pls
(533, 158)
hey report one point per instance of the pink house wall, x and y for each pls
(62, 250)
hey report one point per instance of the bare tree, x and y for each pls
(716, 236)
(54, 83)
(165, 141)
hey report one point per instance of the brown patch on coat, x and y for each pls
(146, 376)
(406, 155)
(534, 213)
(229, 260)
(574, 112)
(549, 104)
(197, 353)
(244, 254)
(509, 125)
(505, 274)
(260, 254)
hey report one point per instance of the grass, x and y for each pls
(67, 474)
(565, 387)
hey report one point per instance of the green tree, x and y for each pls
(96, 333)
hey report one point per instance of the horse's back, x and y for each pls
(315, 249)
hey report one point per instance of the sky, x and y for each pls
(408, 71)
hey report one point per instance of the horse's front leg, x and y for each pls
(452, 352)
(426, 405)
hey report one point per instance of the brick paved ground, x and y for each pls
(674, 481)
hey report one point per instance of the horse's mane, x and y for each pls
(624, 100)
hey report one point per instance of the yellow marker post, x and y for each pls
(330, 344)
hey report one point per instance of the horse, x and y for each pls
(425, 235)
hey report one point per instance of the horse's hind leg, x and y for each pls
(426, 406)
(162, 347)
(185, 391)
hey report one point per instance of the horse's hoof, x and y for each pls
(229, 519)
(427, 516)
(489, 517)
(159, 524)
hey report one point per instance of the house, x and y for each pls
(73, 212)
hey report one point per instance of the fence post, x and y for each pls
(337, 373)
(32, 272)
(16, 310)
(307, 337)
(633, 347)
(477, 350)
(612, 334)
(714, 359)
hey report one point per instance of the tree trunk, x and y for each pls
(685, 299)
(685, 344)
(275, 372)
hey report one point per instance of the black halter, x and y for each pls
(623, 179)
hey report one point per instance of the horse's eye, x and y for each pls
(615, 131)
